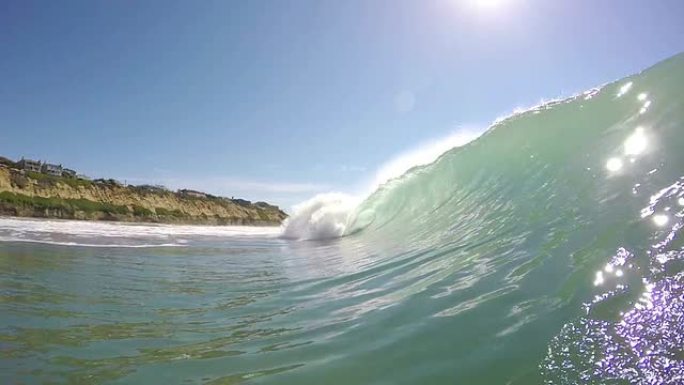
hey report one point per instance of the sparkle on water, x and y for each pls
(636, 143)
(660, 220)
(614, 164)
(625, 89)
(645, 344)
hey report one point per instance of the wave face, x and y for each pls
(546, 251)
(574, 208)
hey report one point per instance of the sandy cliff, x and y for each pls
(38, 196)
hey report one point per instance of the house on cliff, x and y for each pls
(51, 169)
(68, 173)
(29, 165)
(191, 193)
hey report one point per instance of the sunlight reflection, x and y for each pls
(646, 297)
(608, 269)
(636, 143)
(614, 164)
(599, 278)
(660, 220)
(625, 89)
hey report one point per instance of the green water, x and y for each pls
(546, 251)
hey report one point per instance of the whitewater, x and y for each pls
(544, 250)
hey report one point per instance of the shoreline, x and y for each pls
(102, 234)
(134, 221)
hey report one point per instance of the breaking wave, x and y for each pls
(331, 215)
(591, 185)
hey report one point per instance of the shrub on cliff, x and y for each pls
(68, 206)
(140, 211)
(50, 180)
(168, 213)
(34, 202)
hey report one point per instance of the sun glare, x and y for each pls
(487, 4)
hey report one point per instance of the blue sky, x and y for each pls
(280, 100)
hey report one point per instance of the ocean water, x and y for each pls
(546, 251)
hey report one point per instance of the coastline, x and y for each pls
(269, 229)
(133, 220)
(32, 195)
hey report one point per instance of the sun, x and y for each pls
(487, 5)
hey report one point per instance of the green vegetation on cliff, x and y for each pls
(32, 194)
(69, 206)
(168, 213)
(50, 179)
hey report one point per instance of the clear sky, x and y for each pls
(279, 100)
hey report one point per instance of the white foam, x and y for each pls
(321, 217)
(126, 229)
(77, 244)
(117, 234)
